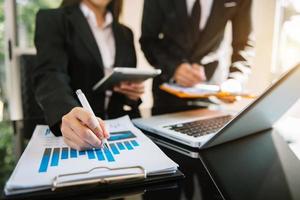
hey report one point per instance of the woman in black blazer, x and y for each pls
(76, 44)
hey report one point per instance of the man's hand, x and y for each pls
(81, 130)
(133, 90)
(188, 75)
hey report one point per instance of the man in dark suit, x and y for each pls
(178, 35)
(75, 45)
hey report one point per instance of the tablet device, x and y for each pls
(120, 74)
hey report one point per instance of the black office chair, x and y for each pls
(32, 113)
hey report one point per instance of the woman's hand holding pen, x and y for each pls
(82, 130)
(133, 90)
(188, 75)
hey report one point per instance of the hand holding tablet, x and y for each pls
(123, 74)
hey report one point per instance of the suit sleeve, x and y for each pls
(151, 44)
(242, 44)
(132, 48)
(129, 59)
(50, 75)
(133, 104)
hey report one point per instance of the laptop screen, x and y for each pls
(263, 112)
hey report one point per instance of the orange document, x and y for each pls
(199, 91)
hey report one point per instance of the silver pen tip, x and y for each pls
(105, 145)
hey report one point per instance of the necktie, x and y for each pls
(195, 19)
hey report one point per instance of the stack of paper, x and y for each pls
(47, 157)
(200, 91)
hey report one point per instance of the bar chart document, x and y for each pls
(47, 157)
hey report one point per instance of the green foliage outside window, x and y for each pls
(26, 11)
(1, 47)
(7, 161)
(1, 32)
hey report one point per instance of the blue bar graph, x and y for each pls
(128, 145)
(114, 148)
(134, 143)
(123, 141)
(55, 157)
(108, 154)
(99, 154)
(91, 154)
(45, 160)
(121, 146)
(73, 153)
(48, 131)
(114, 136)
(65, 153)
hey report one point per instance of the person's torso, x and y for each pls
(176, 28)
(85, 62)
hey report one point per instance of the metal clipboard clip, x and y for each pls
(65, 180)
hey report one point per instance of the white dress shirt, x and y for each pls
(206, 6)
(236, 79)
(105, 40)
(103, 35)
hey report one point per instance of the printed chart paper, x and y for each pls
(47, 156)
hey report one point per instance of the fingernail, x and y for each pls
(100, 144)
(98, 132)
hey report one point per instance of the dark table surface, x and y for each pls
(260, 166)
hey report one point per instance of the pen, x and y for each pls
(85, 104)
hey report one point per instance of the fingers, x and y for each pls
(183, 81)
(88, 119)
(193, 74)
(73, 140)
(131, 95)
(199, 72)
(79, 128)
(84, 133)
(133, 90)
(196, 73)
(73, 145)
(103, 127)
(133, 86)
(189, 75)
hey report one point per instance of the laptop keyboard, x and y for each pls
(201, 127)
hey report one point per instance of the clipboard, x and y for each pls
(120, 74)
(59, 183)
(107, 185)
(57, 167)
(192, 95)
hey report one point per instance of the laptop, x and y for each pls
(206, 128)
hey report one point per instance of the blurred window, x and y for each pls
(287, 44)
(26, 11)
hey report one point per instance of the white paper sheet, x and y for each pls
(138, 150)
(198, 89)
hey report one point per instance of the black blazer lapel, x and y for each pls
(181, 11)
(213, 24)
(183, 19)
(83, 29)
(216, 17)
(118, 45)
